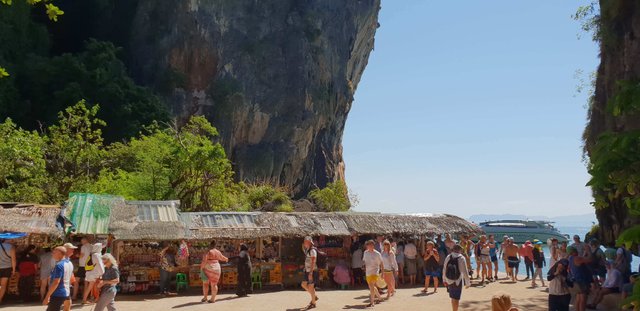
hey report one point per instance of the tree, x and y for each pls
(173, 163)
(51, 10)
(333, 198)
(96, 75)
(22, 165)
(267, 196)
(74, 151)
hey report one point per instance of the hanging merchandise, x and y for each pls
(182, 257)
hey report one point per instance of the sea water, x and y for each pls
(571, 231)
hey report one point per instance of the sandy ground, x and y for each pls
(474, 298)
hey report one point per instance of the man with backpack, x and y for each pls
(311, 276)
(456, 275)
(623, 261)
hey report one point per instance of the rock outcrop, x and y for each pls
(620, 61)
(277, 78)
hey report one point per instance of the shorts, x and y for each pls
(583, 287)
(455, 291)
(372, 279)
(485, 259)
(513, 262)
(494, 258)
(91, 277)
(5, 273)
(433, 273)
(55, 303)
(81, 273)
(315, 275)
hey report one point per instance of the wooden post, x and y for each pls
(259, 247)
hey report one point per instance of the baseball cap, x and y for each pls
(69, 246)
(308, 238)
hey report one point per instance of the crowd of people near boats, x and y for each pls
(381, 263)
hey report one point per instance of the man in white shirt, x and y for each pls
(85, 252)
(411, 265)
(455, 276)
(311, 276)
(373, 267)
(612, 285)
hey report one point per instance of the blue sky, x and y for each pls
(470, 107)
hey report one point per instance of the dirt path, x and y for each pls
(474, 298)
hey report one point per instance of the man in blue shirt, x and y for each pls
(60, 280)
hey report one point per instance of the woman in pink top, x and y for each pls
(210, 266)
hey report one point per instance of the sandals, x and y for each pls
(210, 301)
(310, 306)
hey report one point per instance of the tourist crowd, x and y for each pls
(381, 263)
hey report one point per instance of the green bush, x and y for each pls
(333, 198)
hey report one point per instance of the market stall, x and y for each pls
(229, 230)
(38, 225)
(139, 228)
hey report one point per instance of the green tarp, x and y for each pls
(91, 213)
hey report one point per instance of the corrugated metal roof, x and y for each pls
(150, 211)
(228, 220)
(91, 213)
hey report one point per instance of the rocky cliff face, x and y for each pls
(620, 60)
(277, 78)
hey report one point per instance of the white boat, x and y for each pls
(522, 230)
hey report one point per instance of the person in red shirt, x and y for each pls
(27, 267)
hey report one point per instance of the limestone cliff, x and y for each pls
(619, 36)
(276, 77)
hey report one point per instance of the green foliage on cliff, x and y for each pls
(333, 198)
(615, 159)
(50, 9)
(615, 166)
(40, 85)
(162, 163)
(171, 163)
(259, 196)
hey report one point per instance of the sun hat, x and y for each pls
(308, 238)
(69, 246)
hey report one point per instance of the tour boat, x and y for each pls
(522, 230)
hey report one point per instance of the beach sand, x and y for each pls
(474, 298)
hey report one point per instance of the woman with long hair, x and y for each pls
(210, 266)
(431, 267)
(390, 268)
(107, 285)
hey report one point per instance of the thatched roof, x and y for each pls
(146, 220)
(254, 225)
(30, 218)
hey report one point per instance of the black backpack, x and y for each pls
(453, 270)
(321, 258)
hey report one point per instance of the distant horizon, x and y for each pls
(468, 108)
